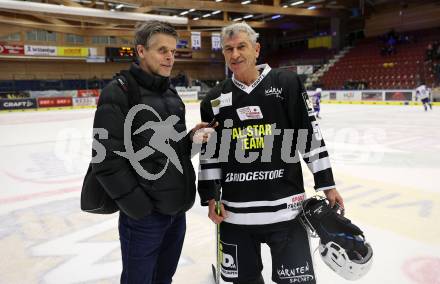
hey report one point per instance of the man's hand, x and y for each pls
(334, 197)
(202, 132)
(212, 214)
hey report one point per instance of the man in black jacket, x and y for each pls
(152, 183)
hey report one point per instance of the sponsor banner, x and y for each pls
(182, 43)
(72, 51)
(332, 95)
(14, 95)
(95, 59)
(201, 95)
(40, 50)
(188, 95)
(86, 101)
(304, 69)
(55, 102)
(9, 104)
(88, 93)
(372, 96)
(349, 96)
(52, 94)
(325, 95)
(93, 51)
(398, 96)
(69, 93)
(11, 49)
(189, 89)
(196, 40)
(215, 42)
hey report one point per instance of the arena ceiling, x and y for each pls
(117, 18)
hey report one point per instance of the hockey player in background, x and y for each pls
(261, 198)
(424, 94)
(317, 101)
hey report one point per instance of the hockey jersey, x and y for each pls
(254, 160)
(317, 100)
(423, 92)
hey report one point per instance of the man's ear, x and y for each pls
(140, 50)
(257, 49)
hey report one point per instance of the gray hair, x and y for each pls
(233, 29)
(144, 31)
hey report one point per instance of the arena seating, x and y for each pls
(299, 56)
(364, 63)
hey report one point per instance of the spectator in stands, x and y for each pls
(436, 69)
(436, 47)
(429, 54)
(392, 35)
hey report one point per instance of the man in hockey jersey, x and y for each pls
(424, 95)
(258, 110)
(317, 102)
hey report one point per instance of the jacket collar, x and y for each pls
(149, 81)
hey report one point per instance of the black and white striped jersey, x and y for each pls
(262, 128)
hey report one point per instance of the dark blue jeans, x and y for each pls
(150, 247)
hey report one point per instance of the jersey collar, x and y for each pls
(248, 89)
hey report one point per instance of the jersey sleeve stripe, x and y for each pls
(325, 188)
(319, 165)
(314, 152)
(210, 174)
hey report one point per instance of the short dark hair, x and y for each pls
(144, 31)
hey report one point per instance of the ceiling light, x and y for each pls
(86, 12)
(196, 18)
(246, 2)
(296, 3)
(218, 0)
(206, 15)
(184, 13)
(311, 8)
(191, 10)
(274, 17)
(248, 16)
(119, 6)
(216, 12)
(236, 19)
(285, 6)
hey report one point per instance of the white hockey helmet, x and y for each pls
(318, 90)
(342, 244)
(338, 260)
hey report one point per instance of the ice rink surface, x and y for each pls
(385, 159)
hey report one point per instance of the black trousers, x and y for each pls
(289, 248)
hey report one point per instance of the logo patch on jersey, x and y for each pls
(254, 176)
(307, 102)
(249, 112)
(223, 101)
(294, 274)
(274, 92)
(229, 267)
(296, 201)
